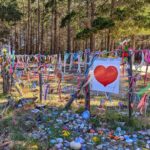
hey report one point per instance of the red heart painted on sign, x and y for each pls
(105, 75)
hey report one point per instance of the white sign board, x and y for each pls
(106, 75)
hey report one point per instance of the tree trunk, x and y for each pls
(47, 39)
(38, 32)
(42, 29)
(28, 26)
(52, 35)
(23, 31)
(133, 42)
(59, 42)
(88, 16)
(55, 28)
(134, 47)
(6, 83)
(106, 40)
(92, 42)
(113, 45)
(31, 35)
(87, 89)
(102, 42)
(109, 40)
(20, 38)
(109, 30)
(6, 78)
(69, 29)
(26, 45)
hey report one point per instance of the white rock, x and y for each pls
(99, 146)
(59, 140)
(148, 142)
(138, 149)
(148, 132)
(58, 146)
(75, 146)
(147, 146)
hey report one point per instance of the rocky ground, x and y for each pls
(47, 126)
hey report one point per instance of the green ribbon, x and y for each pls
(143, 90)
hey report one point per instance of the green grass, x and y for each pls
(6, 123)
(2, 96)
(17, 136)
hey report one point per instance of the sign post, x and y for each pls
(130, 95)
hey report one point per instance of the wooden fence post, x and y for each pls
(130, 95)
(87, 88)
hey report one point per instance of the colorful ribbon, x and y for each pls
(143, 104)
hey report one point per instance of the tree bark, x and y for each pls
(69, 29)
(28, 26)
(92, 42)
(33, 38)
(31, 35)
(52, 35)
(133, 42)
(88, 16)
(42, 30)
(38, 32)
(109, 30)
(6, 77)
(106, 40)
(6, 83)
(55, 28)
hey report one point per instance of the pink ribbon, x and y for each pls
(142, 103)
(147, 59)
(11, 70)
(147, 56)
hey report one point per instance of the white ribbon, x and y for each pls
(65, 64)
(90, 77)
(28, 58)
(71, 61)
(79, 63)
(60, 62)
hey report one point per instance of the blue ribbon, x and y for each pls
(75, 56)
(66, 56)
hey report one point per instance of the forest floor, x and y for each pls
(39, 126)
